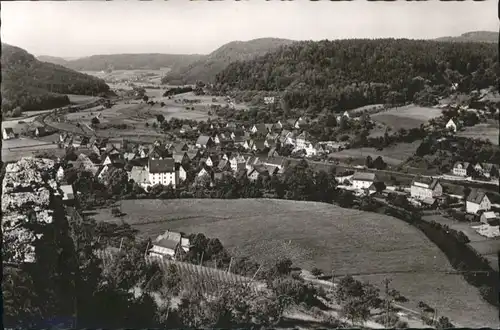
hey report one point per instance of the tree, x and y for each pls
(94, 121)
(160, 118)
(379, 163)
(145, 98)
(17, 112)
(369, 162)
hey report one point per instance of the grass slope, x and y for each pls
(322, 235)
(209, 66)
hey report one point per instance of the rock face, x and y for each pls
(26, 193)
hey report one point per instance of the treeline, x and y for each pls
(346, 74)
(178, 90)
(33, 85)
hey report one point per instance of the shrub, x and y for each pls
(316, 271)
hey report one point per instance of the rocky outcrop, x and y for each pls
(26, 194)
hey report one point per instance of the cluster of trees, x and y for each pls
(346, 74)
(33, 85)
(443, 153)
(178, 90)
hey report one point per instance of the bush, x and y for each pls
(316, 271)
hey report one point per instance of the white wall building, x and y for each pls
(424, 188)
(162, 171)
(477, 201)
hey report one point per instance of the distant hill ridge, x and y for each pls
(153, 61)
(31, 84)
(473, 36)
(206, 68)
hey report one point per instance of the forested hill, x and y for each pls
(474, 36)
(345, 74)
(53, 60)
(126, 61)
(207, 67)
(33, 85)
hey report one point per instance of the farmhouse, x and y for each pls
(259, 129)
(489, 170)
(363, 180)
(451, 125)
(162, 171)
(462, 169)
(237, 162)
(490, 218)
(424, 187)
(477, 201)
(257, 170)
(166, 245)
(8, 133)
(204, 141)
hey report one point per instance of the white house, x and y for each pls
(489, 217)
(167, 244)
(363, 180)
(477, 201)
(162, 171)
(237, 162)
(451, 125)
(310, 149)
(302, 140)
(68, 194)
(60, 174)
(425, 188)
(269, 99)
(8, 133)
(140, 176)
(180, 173)
(461, 169)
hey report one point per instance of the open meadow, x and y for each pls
(393, 155)
(486, 131)
(407, 117)
(321, 235)
(151, 76)
(15, 149)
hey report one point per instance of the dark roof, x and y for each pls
(8, 130)
(364, 176)
(280, 161)
(165, 165)
(169, 240)
(261, 128)
(476, 196)
(223, 164)
(431, 182)
(158, 152)
(259, 144)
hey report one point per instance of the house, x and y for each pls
(451, 125)
(278, 125)
(256, 171)
(490, 170)
(376, 187)
(181, 157)
(310, 149)
(140, 176)
(180, 173)
(224, 165)
(490, 218)
(346, 115)
(477, 201)
(68, 195)
(363, 180)
(162, 171)
(41, 131)
(478, 168)
(462, 169)
(158, 153)
(60, 174)
(425, 187)
(185, 129)
(113, 159)
(272, 152)
(269, 99)
(259, 129)
(206, 172)
(269, 127)
(251, 161)
(279, 162)
(300, 122)
(302, 140)
(211, 160)
(168, 244)
(192, 155)
(8, 133)
(258, 145)
(204, 141)
(83, 162)
(231, 125)
(102, 172)
(237, 162)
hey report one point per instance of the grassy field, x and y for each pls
(482, 131)
(394, 155)
(325, 236)
(151, 76)
(15, 149)
(406, 117)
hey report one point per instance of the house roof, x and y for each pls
(364, 176)
(304, 135)
(476, 196)
(68, 192)
(431, 183)
(223, 164)
(169, 240)
(8, 130)
(261, 128)
(490, 215)
(259, 144)
(277, 160)
(166, 165)
(203, 140)
(158, 152)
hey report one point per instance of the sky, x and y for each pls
(83, 28)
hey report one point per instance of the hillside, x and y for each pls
(345, 74)
(125, 61)
(475, 36)
(207, 68)
(320, 235)
(53, 60)
(34, 85)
